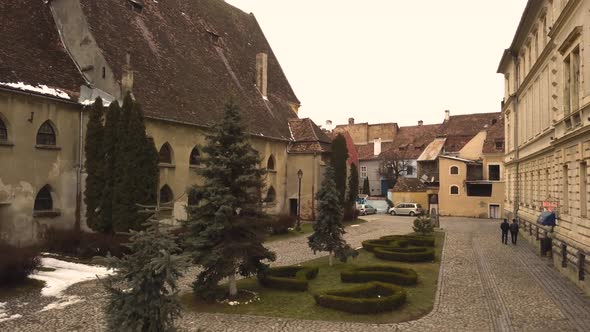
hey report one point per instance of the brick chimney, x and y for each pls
(350, 121)
(377, 146)
(262, 73)
(420, 122)
(329, 125)
(447, 115)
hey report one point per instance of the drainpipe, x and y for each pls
(79, 172)
(313, 181)
(515, 135)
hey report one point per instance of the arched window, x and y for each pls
(454, 190)
(46, 134)
(270, 165)
(3, 131)
(195, 158)
(271, 195)
(454, 170)
(44, 201)
(166, 195)
(166, 154)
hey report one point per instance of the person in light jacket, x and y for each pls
(514, 231)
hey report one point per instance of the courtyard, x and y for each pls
(483, 286)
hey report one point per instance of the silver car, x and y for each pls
(411, 209)
(365, 209)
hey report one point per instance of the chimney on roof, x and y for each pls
(447, 115)
(127, 77)
(329, 125)
(377, 146)
(420, 122)
(262, 73)
(350, 121)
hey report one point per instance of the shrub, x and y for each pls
(281, 223)
(411, 255)
(350, 214)
(85, 245)
(370, 245)
(16, 264)
(415, 240)
(423, 225)
(290, 278)
(368, 298)
(383, 273)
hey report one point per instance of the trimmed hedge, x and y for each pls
(384, 273)
(421, 254)
(368, 298)
(370, 245)
(415, 240)
(290, 278)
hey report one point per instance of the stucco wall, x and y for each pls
(410, 197)
(25, 168)
(313, 169)
(372, 174)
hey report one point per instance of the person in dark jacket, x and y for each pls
(514, 231)
(504, 226)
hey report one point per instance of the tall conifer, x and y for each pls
(111, 135)
(339, 157)
(353, 185)
(95, 166)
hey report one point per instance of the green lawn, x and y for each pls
(301, 305)
(306, 228)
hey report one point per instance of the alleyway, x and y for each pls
(485, 286)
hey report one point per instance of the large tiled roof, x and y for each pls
(495, 135)
(411, 141)
(307, 137)
(460, 129)
(31, 51)
(190, 57)
(409, 185)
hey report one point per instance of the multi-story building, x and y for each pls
(182, 62)
(547, 125)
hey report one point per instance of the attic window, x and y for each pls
(136, 5)
(499, 145)
(494, 121)
(215, 38)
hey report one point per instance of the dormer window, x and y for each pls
(215, 38)
(499, 145)
(136, 5)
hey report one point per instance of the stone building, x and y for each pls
(547, 117)
(182, 62)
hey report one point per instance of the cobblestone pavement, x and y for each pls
(484, 286)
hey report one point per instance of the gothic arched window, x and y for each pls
(46, 134)
(44, 201)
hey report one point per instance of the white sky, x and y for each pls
(390, 60)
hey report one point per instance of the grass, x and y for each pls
(8, 292)
(301, 305)
(306, 228)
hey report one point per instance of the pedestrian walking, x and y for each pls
(514, 231)
(504, 226)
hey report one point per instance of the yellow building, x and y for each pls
(547, 117)
(182, 63)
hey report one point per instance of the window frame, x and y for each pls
(170, 161)
(50, 133)
(271, 164)
(39, 206)
(451, 170)
(3, 129)
(499, 172)
(451, 190)
(190, 158)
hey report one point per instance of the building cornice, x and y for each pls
(569, 40)
(563, 17)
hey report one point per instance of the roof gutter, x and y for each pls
(33, 94)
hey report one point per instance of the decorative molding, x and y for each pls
(538, 64)
(47, 147)
(563, 17)
(570, 39)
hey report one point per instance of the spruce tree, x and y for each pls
(328, 230)
(111, 135)
(95, 167)
(366, 189)
(339, 157)
(148, 300)
(353, 185)
(228, 227)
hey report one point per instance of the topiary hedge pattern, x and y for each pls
(370, 245)
(290, 278)
(384, 273)
(369, 298)
(411, 255)
(415, 240)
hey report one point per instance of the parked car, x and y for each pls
(411, 209)
(365, 209)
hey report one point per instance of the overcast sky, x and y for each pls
(390, 60)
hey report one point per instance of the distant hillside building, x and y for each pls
(181, 60)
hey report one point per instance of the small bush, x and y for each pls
(290, 278)
(16, 264)
(370, 298)
(281, 223)
(384, 273)
(370, 245)
(85, 245)
(423, 225)
(410, 255)
(415, 240)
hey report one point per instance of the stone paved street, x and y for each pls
(485, 286)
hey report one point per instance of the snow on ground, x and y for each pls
(4, 315)
(42, 89)
(65, 275)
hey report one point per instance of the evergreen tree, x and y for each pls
(328, 229)
(353, 185)
(366, 189)
(150, 273)
(339, 157)
(227, 229)
(95, 167)
(111, 135)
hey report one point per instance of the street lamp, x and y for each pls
(298, 227)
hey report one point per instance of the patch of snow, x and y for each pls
(88, 102)
(62, 303)
(291, 132)
(65, 275)
(42, 89)
(354, 225)
(4, 314)
(265, 98)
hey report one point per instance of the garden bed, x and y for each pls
(301, 305)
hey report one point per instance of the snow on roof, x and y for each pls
(40, 89)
